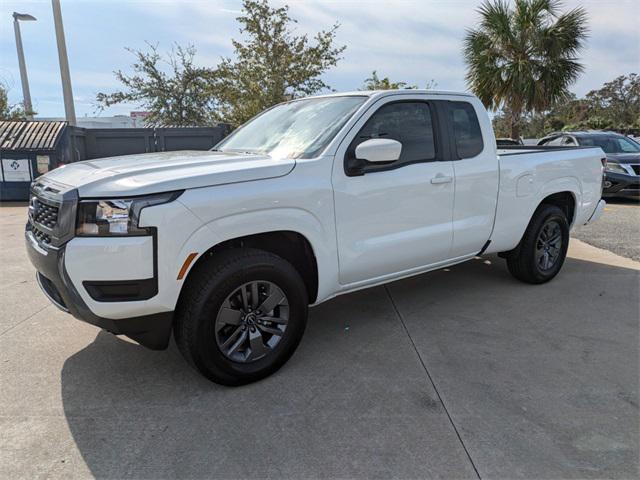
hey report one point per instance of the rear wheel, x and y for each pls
(242, 315)
(543, 248)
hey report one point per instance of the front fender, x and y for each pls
(255, 222)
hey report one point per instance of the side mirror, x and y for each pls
(379, 150)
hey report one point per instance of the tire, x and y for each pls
(215, 330)
(527, 261)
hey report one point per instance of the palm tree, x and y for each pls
(524, 58)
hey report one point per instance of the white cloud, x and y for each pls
(408, 40)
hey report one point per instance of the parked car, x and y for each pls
(506, 142)
(311, 199)
(622, 172)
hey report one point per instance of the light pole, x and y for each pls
(67, 93)
(26, 94)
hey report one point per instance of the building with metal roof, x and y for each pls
(28, 149)
(31, 148)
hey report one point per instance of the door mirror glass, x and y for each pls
(379, 150)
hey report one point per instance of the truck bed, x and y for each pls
(529, 174)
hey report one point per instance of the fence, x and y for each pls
(92, 143)
(29, 149)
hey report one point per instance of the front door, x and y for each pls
(393, 217)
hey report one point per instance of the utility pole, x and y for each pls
(26, 93)
(67, 93)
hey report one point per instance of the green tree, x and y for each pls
(616, 105)
(376, 83)
(9, 111)
(524, 57)
(173, 89)
(271, 64)
(536, 124)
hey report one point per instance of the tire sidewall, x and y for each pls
(550, 213)
(207, 355)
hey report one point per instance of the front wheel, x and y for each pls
(543, 248)
(242, 316)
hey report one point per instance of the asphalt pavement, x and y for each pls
(618, 230)
(459, 373)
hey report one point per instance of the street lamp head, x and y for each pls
(25, 17)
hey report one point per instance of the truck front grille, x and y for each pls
(52, 213)
(43, 218)
(636, 168)
(44, 214)
(41, 237)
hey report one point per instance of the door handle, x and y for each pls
(440, 178)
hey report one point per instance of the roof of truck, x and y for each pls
(371, 93)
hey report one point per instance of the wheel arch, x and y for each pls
(565, 200)
(564, 192)
(294, 234)
(290, 245)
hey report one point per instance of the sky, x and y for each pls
(415, 41)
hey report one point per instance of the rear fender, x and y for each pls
(515, 212)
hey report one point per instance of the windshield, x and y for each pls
(610, 143)
(298, 129)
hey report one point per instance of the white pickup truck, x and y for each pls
(311, 199)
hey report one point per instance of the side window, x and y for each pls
(410, 123)
(626, 146)
(569, 142)
(555, 142)
(466, 129)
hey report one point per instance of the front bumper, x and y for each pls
(621, 185)
(152, 331)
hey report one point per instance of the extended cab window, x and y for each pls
(409, 123)
(466, 129)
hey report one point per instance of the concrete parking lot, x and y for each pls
(460, 373)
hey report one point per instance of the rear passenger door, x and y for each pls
(476, 168)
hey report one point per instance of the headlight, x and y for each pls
(615, 168)
(116, 217)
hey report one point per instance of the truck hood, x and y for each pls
(166, 171)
